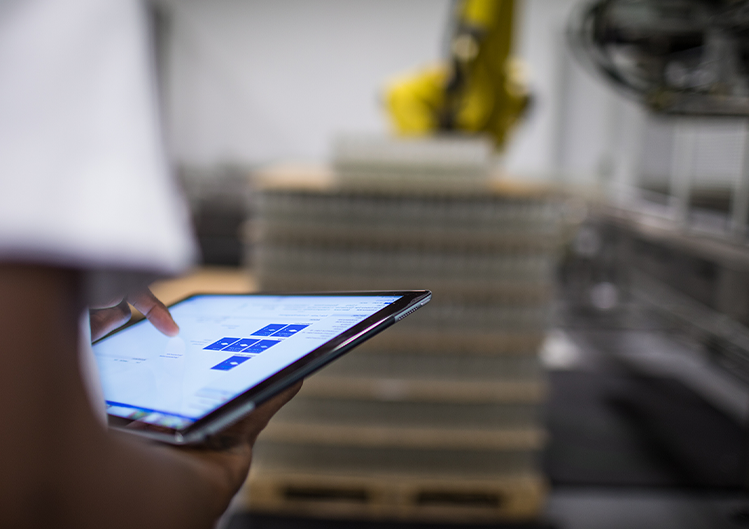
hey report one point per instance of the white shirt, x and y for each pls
(84, 181)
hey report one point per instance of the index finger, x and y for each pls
(154, 311)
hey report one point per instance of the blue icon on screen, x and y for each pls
(260, 346)
(289, 330)
(231, 363)
(241, 344)
(223, 342)
(269, 329)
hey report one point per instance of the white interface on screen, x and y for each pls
(226, 345)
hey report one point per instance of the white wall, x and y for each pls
(539, 42)
(258, 81)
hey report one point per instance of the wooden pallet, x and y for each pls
(458, 499)
(323, 178)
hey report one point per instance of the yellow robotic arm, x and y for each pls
(479, 90)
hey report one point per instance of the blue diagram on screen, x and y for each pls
(220, 344)
(269, 329)
(261, 346)
(231, 363)
(289, 330)
(241, 344)
(257, 345)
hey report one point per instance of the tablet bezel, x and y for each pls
(232, 410)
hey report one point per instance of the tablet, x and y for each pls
(233, 352)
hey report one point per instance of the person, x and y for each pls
(87, 213)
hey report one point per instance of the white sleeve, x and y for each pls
(84, 180)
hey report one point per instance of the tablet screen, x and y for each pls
(227, 344)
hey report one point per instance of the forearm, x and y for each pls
(60, 468)
(139, 484)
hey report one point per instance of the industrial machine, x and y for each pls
(477, 89)
(676, 56)
(684, 60)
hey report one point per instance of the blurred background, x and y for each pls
(570, 178)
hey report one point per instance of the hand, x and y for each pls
(104, 321)
(226, 458)
(223, 462)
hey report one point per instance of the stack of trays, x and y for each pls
(440, 416)
(449, 162)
